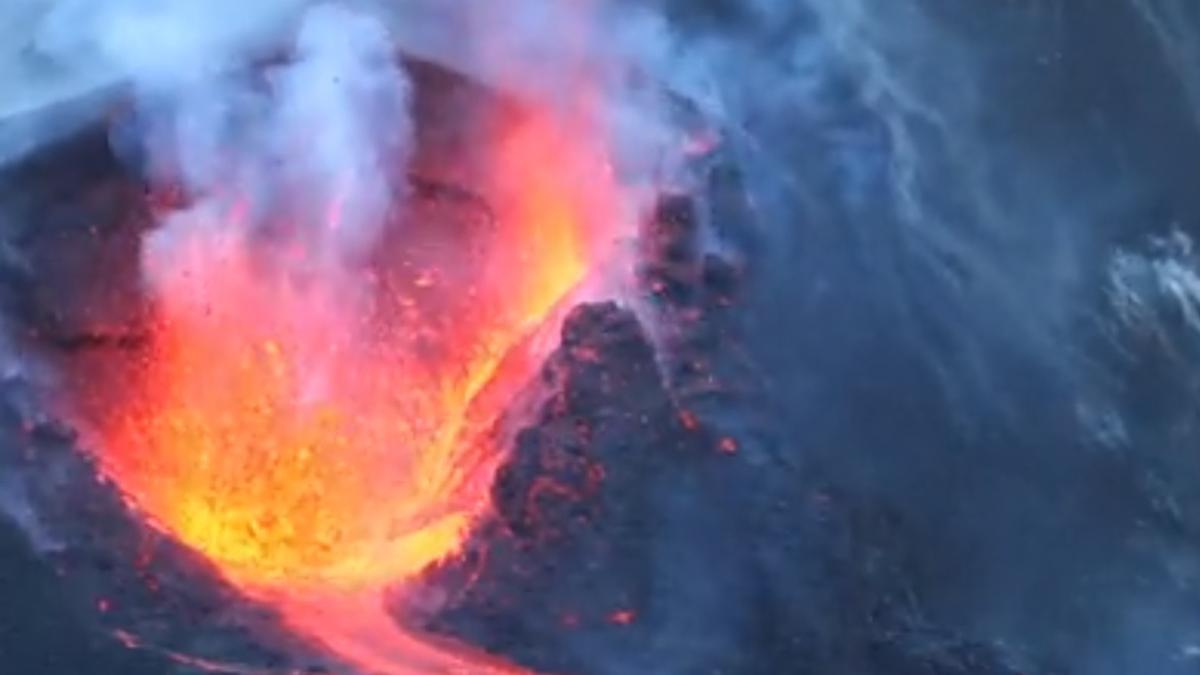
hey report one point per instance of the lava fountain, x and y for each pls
(309, 429)
(314, 420)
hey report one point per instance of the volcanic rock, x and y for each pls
(646, 523)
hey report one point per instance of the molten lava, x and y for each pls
(321, 432)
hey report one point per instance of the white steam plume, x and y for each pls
(322, 141)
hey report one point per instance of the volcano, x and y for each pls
(561, 441)
(607, 338)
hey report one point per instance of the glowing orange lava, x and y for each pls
(320, 434)
(303, 431)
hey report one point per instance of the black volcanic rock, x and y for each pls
(646, 521)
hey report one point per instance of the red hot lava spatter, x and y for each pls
(321, 439)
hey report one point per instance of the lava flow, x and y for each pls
(319, 431)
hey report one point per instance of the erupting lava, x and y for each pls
(314, 431)
(318, 431)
